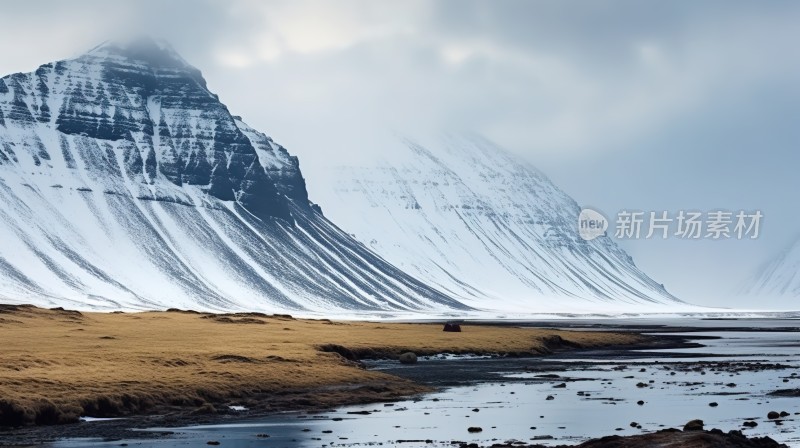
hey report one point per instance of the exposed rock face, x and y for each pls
(126, 183)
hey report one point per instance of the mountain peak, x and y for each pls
(138, 99)
(150, 50)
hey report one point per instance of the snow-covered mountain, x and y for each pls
(485, 227)
(777, 282)
(126, 184)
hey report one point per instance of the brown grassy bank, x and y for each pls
(57, 365)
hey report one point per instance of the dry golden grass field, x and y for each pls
(57, 365)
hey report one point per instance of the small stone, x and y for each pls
(772, 415)
(713, 404)
(640, 402)
(474, 429)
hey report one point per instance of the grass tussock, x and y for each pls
(57, 365)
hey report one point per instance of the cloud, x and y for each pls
(306, 27)
(552, 79)
(544, 78)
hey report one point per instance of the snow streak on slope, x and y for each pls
(481, 225)
(777, 283)
(126, 184)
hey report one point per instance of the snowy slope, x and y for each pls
(476, 222)
(777, 283)
(126, 184)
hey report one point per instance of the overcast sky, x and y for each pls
(649, 105)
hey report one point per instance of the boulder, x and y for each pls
(408, 358)
(693, 425)
(452, 327)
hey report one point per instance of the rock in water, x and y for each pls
(408, 358)
(674, 438)
(693, 425)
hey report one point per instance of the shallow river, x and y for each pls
(554, 400)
